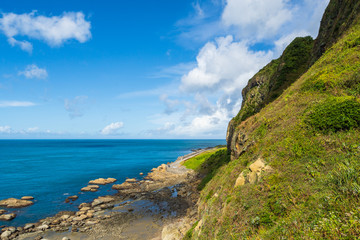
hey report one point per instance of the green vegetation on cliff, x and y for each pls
(308, 139)
(275, 77)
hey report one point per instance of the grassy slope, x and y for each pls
(314, 192)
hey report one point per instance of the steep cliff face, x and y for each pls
(338, 17)
(267, 85)
(279, 74)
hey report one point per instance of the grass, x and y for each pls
(194, 163)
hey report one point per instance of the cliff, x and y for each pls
(297, 58)
(267, 85)
(294, 171)
(338, 17)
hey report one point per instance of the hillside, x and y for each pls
(294, 171)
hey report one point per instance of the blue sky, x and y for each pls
(137, 69)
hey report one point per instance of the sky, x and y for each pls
(89, 69)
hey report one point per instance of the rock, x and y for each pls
(89, 215)
(80, 218)
(7, 217)
(65, 238)
(240, 180)
(15, 203)
(2, 211)
(253, 173)
(6, 234)
(82, 205)
(141, 174)
(162, 168)
(27, 198)
(91, 222)
(125, 185)
(11, 229)
(106, 206)
(102, 181)
(84, 209)
(29, 226)
(65, 217)
(257, 166)
(92, 188)
(252, 177)
(131, 180)
(73, 198)
(101, 200)
(43, 227)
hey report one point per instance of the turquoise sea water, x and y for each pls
(51, 170)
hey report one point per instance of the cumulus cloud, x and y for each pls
(258, 18)
(54, 30)
(224, 65)
(16, 104)
(33, 71)
(75, 107)
(112, 128)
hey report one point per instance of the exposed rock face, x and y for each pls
(266, 86)
(338, 17)
(15, 203)
(253, 173)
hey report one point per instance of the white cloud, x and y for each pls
(5, 129)
(112, 128)
(24, 45)
(75, 106)
(259, 18)
(33, 71)
(224, 65)
(16, 104)
(32, 130)
(53, 30)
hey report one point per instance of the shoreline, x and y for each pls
(166, 193)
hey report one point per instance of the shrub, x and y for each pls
(334, 115)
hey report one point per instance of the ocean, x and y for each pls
(52, 170)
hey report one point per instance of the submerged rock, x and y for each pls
(15, 203)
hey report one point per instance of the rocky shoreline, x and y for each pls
(161, 206)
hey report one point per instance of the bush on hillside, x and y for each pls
(335, 115)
